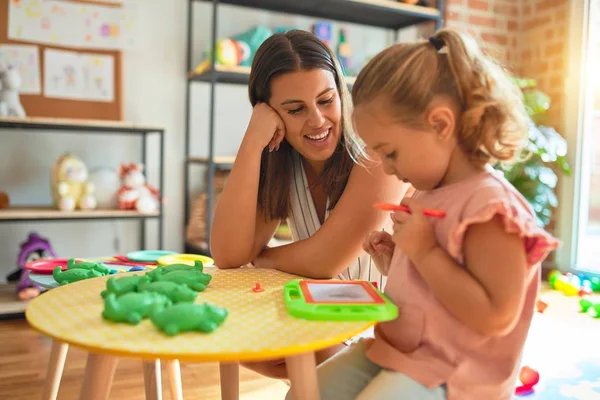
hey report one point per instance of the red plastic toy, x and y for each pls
(396, 207)
(541, 305)
(529, 377)
(258, 288)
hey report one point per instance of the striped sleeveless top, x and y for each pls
(304, 222)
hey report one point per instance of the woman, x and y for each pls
(300, 161)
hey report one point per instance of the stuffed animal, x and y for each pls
(135, 193)
(70, 186)
(34, 248)
(10, 82)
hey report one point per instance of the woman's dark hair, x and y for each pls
(282, 53)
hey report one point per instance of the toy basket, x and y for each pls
(196, 226)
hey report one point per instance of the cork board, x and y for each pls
(40, 106)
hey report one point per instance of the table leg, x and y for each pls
(152, 380)
(302, 371)
(98, 376)
(230, 381)
(175, 379)
(56, 364)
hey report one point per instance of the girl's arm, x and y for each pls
(339, 241)
(239, 232)
(488, 293)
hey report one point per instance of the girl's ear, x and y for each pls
(442, 121)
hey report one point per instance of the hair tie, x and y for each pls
(437, 43)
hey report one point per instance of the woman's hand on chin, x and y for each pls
(266, 128)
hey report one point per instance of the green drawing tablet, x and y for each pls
(337, 300)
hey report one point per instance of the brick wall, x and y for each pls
(527, 36)
(495, 23)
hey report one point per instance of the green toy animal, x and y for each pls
(184, 317)
(74, 275)
(100, 267)
(177, 293)
(121, 286)
(193, 277)
(132, 307)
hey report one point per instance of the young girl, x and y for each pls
(438, 114)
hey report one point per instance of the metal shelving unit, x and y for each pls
(46, 213)
(387, 14)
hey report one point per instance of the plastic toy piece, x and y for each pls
(121, 286)
(258, 288)
(189, 259)
(541, 305)
(192, 277)
(103, 269)
(185, 317)
(132, 307)
(148, 256)
(399, 207)
(198, 266)
(589, 307)
(175, 292)
(74, 275)
(529, 377)
(337, 301)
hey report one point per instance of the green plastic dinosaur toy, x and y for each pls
(177, 293)
(185, 317)
(121, 286)
(197, 268)
(74, 275)
(132, 307)
(194, 277)
(71, 264)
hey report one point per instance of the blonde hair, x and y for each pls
(492, 124)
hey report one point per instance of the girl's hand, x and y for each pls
(413, 233)
(380, 246)
(266, 128)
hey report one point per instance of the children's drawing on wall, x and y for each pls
(25, 58)
(78, 76)
(71, 24)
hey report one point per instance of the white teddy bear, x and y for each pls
(10, 82)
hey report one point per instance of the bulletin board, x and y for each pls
(39, 105)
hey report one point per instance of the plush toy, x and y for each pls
(10, 82)
(135, 193)
(70, 186)
(34, 248)
(237, 50)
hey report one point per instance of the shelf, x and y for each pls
(221, 162)
(380, 13)
(235, 75)
(51, 214)
(59, 124)
(10, 305)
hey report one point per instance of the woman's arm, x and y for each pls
(339, 241)
(239, 231)
(488, 294)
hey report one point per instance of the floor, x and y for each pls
(24, 356)
(562, 346)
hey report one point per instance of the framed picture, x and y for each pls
(337, 300)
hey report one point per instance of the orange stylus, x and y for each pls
(396, 207)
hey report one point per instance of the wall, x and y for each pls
(154, 94)
(154, 90)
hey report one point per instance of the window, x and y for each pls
(580, 196)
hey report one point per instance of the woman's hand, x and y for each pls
(266, 128)
(413, 233)
(380, 246)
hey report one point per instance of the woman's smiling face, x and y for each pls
(309, 104)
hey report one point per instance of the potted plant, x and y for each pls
(537, 176)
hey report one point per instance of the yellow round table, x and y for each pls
(257, 328)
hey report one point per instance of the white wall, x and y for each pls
(154, 89)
